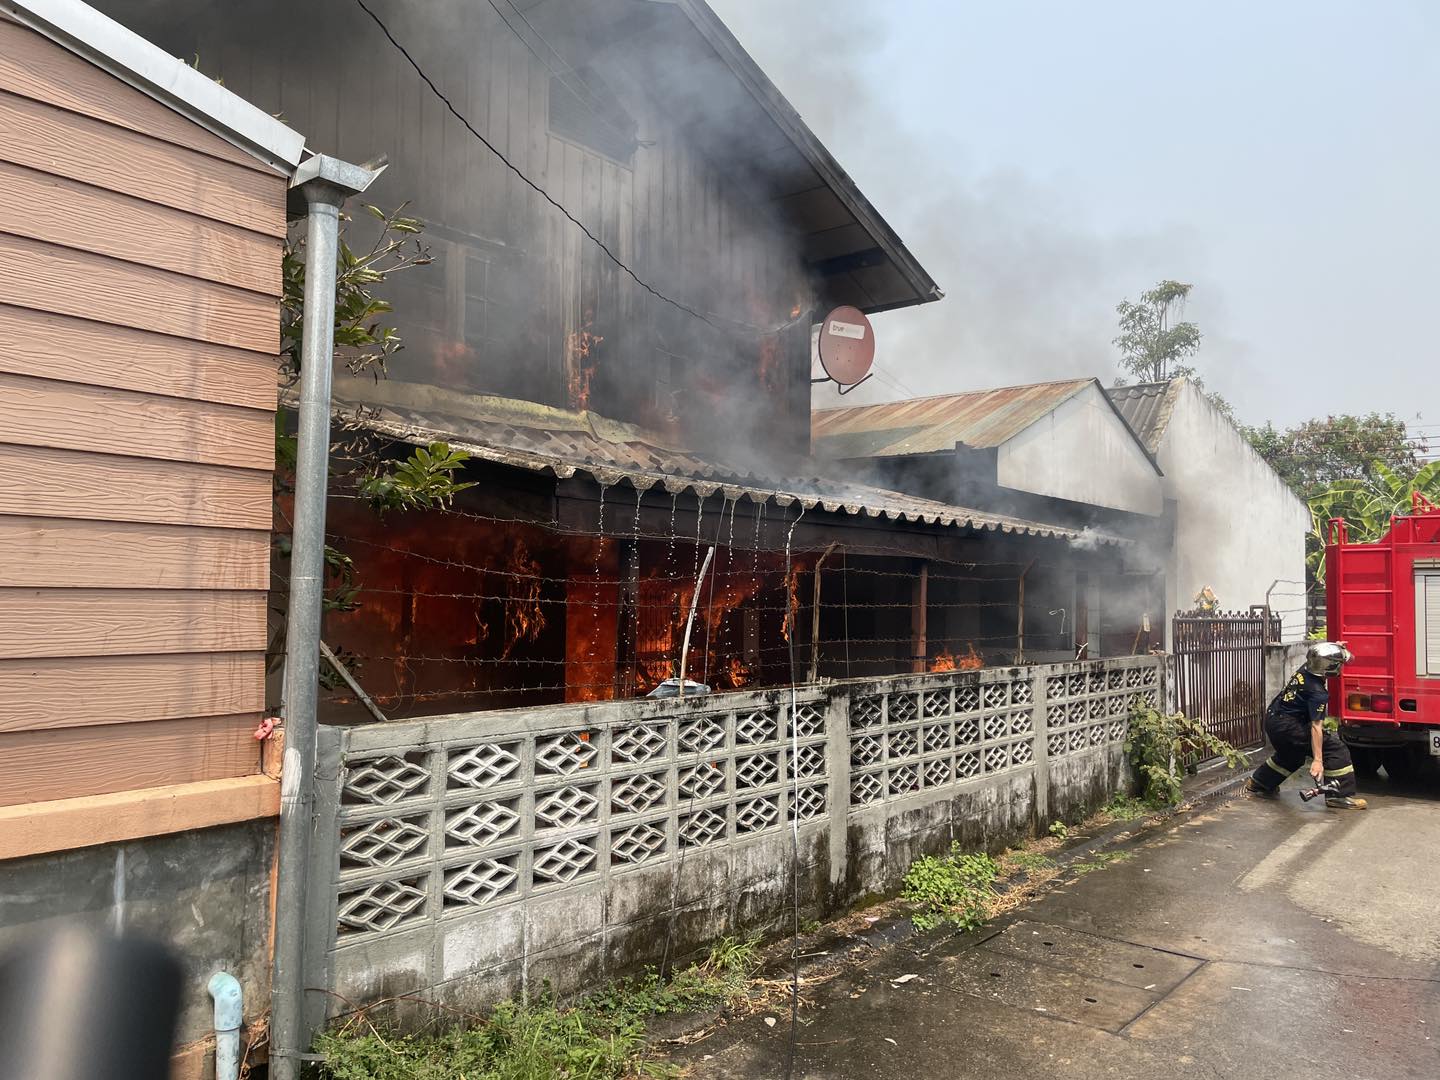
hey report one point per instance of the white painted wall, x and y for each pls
(1082, 451)
(1238, 528)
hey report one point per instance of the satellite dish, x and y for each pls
(847, 347)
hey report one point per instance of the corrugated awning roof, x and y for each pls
(1147, 408)
(978, 418)
(544, 439)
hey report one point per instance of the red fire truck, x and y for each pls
(1383, 601)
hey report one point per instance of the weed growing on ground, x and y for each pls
(601, 1038)
(1059, 830)
(1100, 859)
(1127, 808)
(1029, 861)
(955, 888)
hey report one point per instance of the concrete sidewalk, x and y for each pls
(1249, 939)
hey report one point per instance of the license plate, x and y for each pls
(1435, 743)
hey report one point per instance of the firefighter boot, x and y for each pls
(1259, 790)
(1345, 802)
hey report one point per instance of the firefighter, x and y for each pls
(1295, 725)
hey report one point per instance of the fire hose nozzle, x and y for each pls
(1331, 787)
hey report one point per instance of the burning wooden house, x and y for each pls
(631, 235)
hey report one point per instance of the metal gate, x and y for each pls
(1220, 671)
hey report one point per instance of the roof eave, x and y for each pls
(924, 288)
(129, 57)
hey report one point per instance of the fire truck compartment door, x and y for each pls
(1427, 622)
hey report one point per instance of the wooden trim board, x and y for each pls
(66, 824)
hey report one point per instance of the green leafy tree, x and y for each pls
(1154, 340)
(1313, 455)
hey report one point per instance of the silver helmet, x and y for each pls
(1325, 658)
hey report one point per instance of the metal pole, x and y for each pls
(690, 620)
(325, 183)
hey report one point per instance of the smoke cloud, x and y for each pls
(1030, 285)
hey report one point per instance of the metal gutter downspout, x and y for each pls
(326, 183)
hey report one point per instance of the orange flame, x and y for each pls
(524, 614)
(580, 363)
(735, 673)
(969, 660)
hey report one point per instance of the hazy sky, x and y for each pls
(1045, 158)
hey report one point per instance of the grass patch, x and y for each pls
(600, 1038)
(956, 888)
(1059, 830)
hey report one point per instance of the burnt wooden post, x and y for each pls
(919, 649)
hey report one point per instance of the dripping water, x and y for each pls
(599, 554)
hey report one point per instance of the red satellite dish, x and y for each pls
(847, 347)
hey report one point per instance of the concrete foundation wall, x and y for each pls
(465, 859)
(206, 894)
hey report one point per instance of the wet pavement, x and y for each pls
(1252, 939)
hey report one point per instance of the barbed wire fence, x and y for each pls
(457, 610)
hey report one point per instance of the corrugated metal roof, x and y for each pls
(1147, 408)
(978, 418)
(544, 439)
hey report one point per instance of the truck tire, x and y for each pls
(1399, 762)
(1366, 759)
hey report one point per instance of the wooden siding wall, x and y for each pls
(513, 282)
(139, 322)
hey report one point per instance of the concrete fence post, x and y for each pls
(1042, 744)
(837, 755)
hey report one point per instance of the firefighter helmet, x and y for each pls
(1325, 658)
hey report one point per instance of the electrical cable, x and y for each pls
(794, 833)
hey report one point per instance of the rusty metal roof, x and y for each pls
(1147, 408)
(544, 439)
(978, 418)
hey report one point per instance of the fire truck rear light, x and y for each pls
(1358, 702)
(1382, 703)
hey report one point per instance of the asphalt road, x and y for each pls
(1254, 939)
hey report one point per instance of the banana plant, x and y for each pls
(1366, 506)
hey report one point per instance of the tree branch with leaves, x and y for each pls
(1154, 340)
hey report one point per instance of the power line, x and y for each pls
(450, 107)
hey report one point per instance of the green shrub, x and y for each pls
(955, 888)
(1157, 744)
